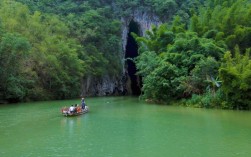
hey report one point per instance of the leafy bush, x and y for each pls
(235, 73)
(207, 100)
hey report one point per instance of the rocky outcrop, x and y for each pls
(119, 85)
(145, 21)
(107, 85)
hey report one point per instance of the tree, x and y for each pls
(13, 52)
(235, 73)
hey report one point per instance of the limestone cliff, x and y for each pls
(119, 85)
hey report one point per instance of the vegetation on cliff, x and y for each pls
(48, 46)
(45, 52)
(207, 61)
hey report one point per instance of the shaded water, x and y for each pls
(122, 127)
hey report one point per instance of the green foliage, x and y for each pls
(156, 40)
(202, 77)
(48, 46)
(191, 57)
(207, 100)
(160, 83)
(163, 8)
(37, 56)
(95, 28)
(68, 41)
(13, 52)
(100, 40)
(224, 20)
(235, 73)
(146, 62)
(175, 64)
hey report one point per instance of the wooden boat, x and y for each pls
(65, 111)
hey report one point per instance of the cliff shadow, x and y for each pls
(134, 81)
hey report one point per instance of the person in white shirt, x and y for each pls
(72, 109)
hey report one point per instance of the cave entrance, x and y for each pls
(132, 52)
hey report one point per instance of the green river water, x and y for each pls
(122, 127)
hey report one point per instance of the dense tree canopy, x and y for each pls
(53, 45)
(194, 60)
(235, 72)
(38, 59)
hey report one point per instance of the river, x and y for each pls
(122, 127)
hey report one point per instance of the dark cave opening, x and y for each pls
(132, 52)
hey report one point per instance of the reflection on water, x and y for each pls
(122, 126)
(70, 124)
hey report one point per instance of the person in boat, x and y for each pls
(72, 109)
(75, 107)
(83, 103)
(79, 109)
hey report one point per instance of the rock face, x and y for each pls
(107, 85)
(143, 19)
(119, 85)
